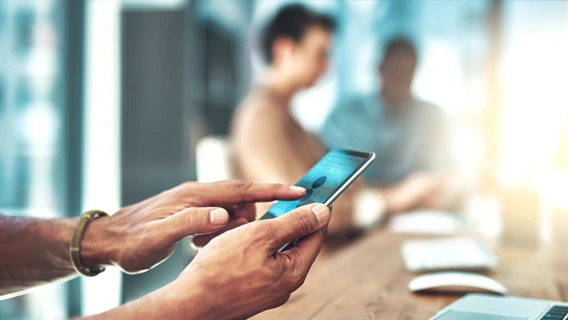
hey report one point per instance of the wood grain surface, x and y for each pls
(366, 279)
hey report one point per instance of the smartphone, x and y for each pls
(326, 180)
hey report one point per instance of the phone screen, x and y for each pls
(325, 179)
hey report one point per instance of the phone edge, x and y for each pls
(351, 179)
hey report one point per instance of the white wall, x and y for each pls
(101, 151)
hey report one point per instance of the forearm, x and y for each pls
(399, 201)
(35, 252)
(165, 303)
(409, 194)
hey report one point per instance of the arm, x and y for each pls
(135, 239)
(263, 150)
(20, 240)
(164, 303)
(409, 194)
(437, 154)
(36, 252)
(438, 161)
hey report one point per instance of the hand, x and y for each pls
(410, 193)
(442, 195)
(140, 236)
(241, 273)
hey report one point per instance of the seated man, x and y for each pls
(269, 144)
(409, 136)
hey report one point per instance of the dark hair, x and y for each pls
(292, 21)
(400, 43)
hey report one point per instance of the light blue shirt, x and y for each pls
(406, 140)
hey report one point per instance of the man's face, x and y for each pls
(309, 59)
(397, 73)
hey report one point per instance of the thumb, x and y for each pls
(194, 221)
(301, 257)
(201, 240)
(296, 224)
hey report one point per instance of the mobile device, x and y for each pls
(326, 180)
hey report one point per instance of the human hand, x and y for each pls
(241, 273)
(140, 236)
(410, 193)
(442, 193)
(421, 183)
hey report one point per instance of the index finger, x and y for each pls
(235, 192)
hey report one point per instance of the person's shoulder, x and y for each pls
(261, 110)
(256, 111)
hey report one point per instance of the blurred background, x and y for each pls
(103, 103)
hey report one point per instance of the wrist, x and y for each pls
(183, 299)
(172, 302)
(97, 243)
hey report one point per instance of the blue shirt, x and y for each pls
(407, 139)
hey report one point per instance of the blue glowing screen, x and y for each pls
(322, 181)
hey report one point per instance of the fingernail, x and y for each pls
(322, 213)
(296, 188)
(218, 217)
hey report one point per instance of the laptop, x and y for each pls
(490, 307)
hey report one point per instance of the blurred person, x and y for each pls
(227, 279)
(269, 144)
(408, 135)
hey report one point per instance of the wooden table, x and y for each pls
(366, 279)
